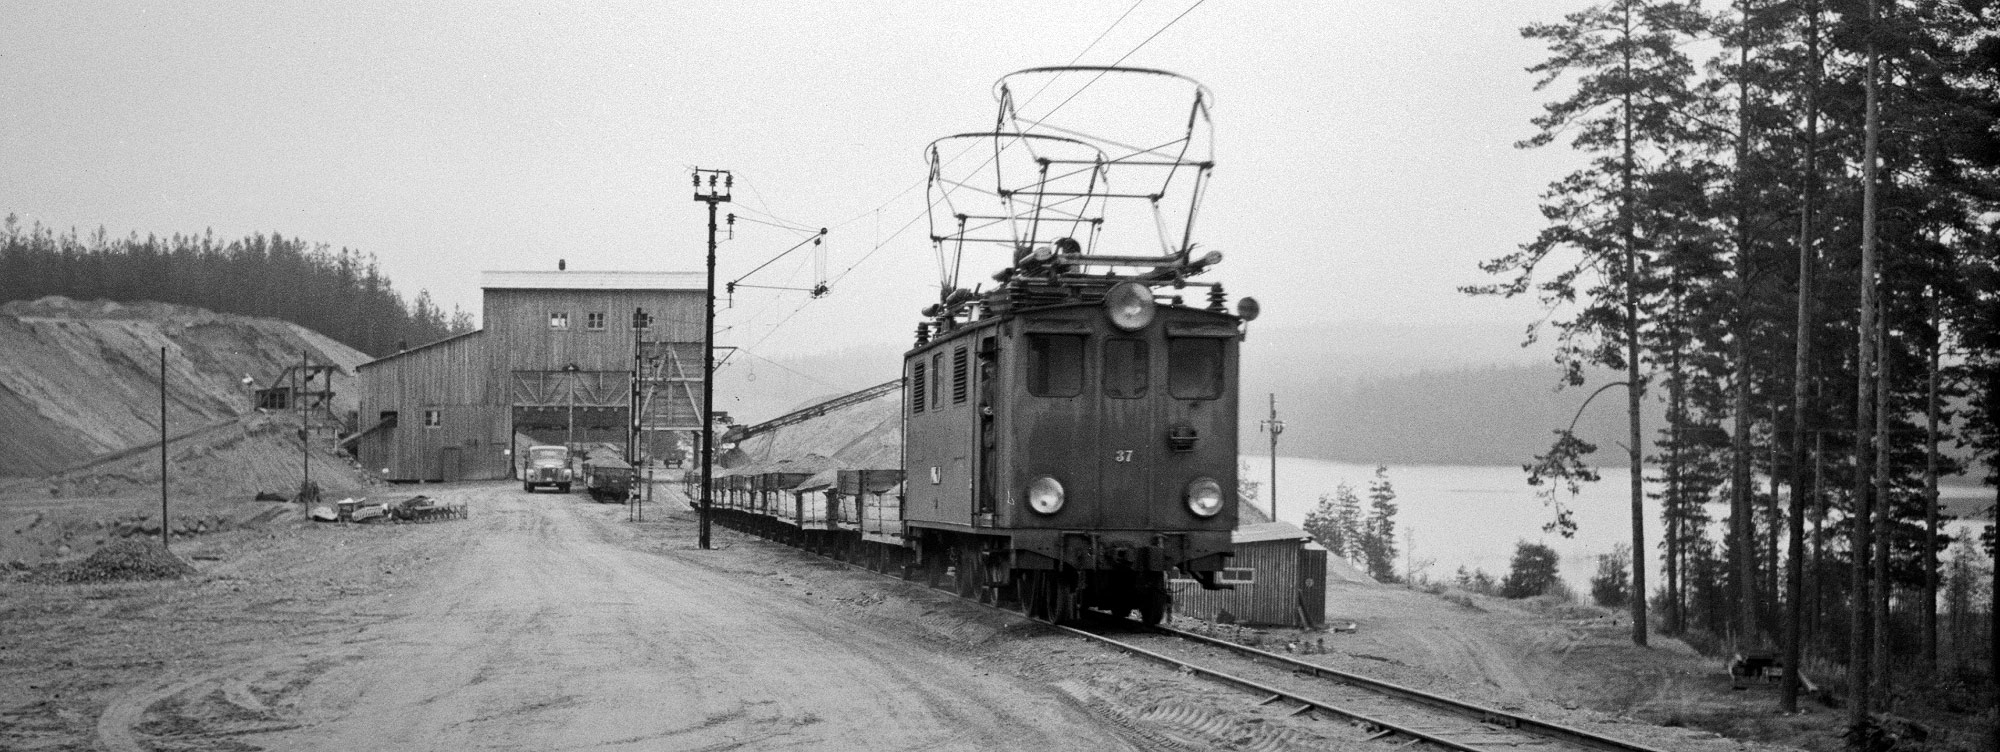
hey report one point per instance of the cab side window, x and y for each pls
(1055, 365)
(1194, 367)
(1126, 368)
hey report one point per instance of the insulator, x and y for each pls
(923, 333)
(1217, 301)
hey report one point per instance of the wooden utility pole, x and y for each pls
(1275, 427)
(163, 449)
(715, 195)
(305, 418)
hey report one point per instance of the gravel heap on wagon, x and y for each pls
(127, 560)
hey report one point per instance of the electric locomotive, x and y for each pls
(1070, 434)
(1076, 441)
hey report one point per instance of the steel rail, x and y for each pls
(1467, 710)
(1306, 703)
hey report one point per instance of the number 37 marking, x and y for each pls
(1121, 455)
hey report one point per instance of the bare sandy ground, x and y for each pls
(548, 622)
(526, 627)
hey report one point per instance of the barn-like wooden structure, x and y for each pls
(1277, 578)
(564, 357)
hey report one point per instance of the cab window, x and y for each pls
(1055, 365)
(1194, 367)
(1125, 368)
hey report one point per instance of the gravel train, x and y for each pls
(1065, 439)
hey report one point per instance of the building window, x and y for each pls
(433, 419)
(641, 320)
(593, 321)
(558, 321)
(1238, 576)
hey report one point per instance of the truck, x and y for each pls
(546, 466)
(607, 476)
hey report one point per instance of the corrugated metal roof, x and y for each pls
(1268, 531)
(580, 280)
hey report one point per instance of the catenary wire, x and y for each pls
(879, 245)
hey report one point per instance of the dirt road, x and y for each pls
(546, 622)
(543, 622)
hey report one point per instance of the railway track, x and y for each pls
(1387, 710)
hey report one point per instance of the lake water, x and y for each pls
(1472, 516)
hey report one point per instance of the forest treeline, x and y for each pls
(1786, 229)
(339, 293)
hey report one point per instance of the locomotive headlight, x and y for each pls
(1204, 497)
(1045, 495)
(1130, 305)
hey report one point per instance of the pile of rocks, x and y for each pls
(127, 560)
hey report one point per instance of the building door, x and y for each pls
(449, 468)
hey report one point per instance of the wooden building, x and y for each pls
(555, 363)
(1278, 578)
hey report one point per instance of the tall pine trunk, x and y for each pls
(1885, 512)
(1633, 387)
(1933, 343)
(1859, 655)
(1742, 522)
(1794, 628)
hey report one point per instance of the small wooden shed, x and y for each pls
(1277, 578)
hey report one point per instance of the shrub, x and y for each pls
(1532, 572)
(1611, 587)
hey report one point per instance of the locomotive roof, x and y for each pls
(997, 318)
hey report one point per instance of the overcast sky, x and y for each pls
(1364, 149)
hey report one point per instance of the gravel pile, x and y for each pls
(127, 560)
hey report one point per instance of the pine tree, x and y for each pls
(1347, 518)
(1323, 524)
(1378, 537)
(1628, 109)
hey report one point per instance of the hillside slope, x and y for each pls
(81, 379)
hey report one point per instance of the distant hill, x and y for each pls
(1461, 394)
(81, 379)
(1496, 415)
(1353, 392)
